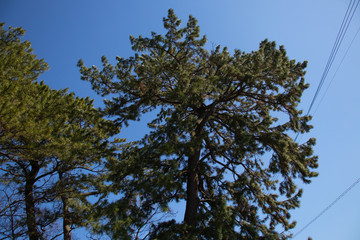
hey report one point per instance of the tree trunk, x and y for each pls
(66, 219)
(31, 223)
(66, 210)
(192, 198)
(192, 186)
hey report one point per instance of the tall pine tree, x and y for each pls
(52, 147)
(215, 141)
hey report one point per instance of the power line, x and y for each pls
(342, 32)
(332, 79)
(343, 29)
(328, 207)
(340, 36)
(276, 177)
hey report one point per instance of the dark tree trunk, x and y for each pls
(66, 210)
(192, 199)
(192, 186)
(31, 223)
(66, 219)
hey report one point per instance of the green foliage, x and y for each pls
(17, 61)
(215, 141)
(52, 144)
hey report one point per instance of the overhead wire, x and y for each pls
(338, 41)
(349, 14)
(343, 29)
(328, 207)
(333, 77)
(341, 34)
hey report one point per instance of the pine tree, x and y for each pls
(18, 65)
(52, 144)
(220, 139)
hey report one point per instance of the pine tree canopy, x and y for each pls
(52, 145)
(220, 139)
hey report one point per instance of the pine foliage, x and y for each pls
(220, 139)
(52, 147)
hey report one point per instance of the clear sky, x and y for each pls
(64, 31)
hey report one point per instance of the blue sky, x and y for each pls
(64, 31)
